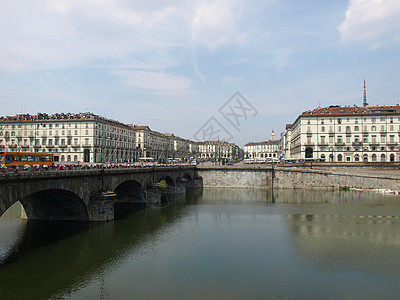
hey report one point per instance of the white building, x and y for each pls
(263, 151)
(182, 148)
(219, 150)
(82, 137)
(152, 144)
(346, 134)
(162, 146)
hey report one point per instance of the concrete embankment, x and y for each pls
(266, 177)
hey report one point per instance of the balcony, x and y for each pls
(339, 144)
(76, 146)
(374, 143)
(357, 143)
(63, 146)
(13, 146)
(86, 145)
(50, 146)
(25, 146)
(392, 143)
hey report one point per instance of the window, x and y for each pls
(356, 128)
(373, 128)
(323, 128)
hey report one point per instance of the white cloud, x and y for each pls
(369, 20)
(215, 23)
(158, 83)
(58, 33)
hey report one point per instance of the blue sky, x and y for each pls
(172, 65)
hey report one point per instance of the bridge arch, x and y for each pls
(130, 191)
(55, 204)
(167, 193)
(168, 179)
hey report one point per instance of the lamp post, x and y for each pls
(102, 162)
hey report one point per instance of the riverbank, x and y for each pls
(382, 180)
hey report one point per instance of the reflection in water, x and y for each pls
(348, 242)
(218, 243)
(12, 229)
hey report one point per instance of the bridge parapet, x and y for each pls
(10, 174)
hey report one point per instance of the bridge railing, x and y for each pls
(81, 170)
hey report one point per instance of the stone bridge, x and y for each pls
(90, 194)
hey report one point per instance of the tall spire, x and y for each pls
(273, 135)
(365, 95)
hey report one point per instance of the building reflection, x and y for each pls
(347, 242)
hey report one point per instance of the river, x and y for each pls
(214, 244)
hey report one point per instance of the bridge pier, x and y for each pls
(101, 207)
(180, 187)
(153, 196)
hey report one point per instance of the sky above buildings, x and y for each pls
(200, 69)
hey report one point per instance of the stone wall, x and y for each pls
(286, 178)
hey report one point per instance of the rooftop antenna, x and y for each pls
(365, 95)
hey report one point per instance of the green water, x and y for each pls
(218, 244)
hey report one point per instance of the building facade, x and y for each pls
(346, 134)
(83, 137)
(218, 150)
(152, 144)
(263, 151)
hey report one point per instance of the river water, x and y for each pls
(215, 244)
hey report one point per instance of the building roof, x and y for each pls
(217, 143)
(136, 127)
(336, 110)
(62, 117)
(270, 142)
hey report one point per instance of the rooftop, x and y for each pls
(336, 110)
(270, 142)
